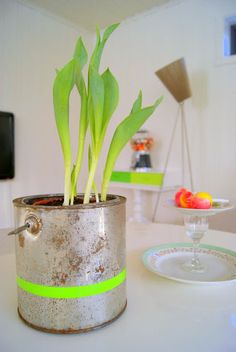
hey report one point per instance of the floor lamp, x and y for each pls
(175, 78)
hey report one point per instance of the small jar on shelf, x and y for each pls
(141, 144)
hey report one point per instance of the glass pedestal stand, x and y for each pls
(194, 263)
(138, 209)
(197, 262)
(196, 227)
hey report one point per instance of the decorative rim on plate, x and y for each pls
(219, 205)
(160, 252)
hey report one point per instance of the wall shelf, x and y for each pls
(140, 182)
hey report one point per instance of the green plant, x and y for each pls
(99, 100)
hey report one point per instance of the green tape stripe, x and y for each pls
(73, 291)
(144, 178)
(120, 176)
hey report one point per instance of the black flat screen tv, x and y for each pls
(7, 163)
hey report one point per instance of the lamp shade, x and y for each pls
(175, 78)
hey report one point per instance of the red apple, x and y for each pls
(200, 203)
(185, 199)
(178, 194)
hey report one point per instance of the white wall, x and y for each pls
(145, 43)
(33, 44)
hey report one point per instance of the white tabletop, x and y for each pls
(162, 315)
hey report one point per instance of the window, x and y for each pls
(230, 36)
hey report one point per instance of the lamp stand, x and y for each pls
(184, 148)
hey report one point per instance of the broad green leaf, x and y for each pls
(89, 157)
(80, 54)
(90, 180)
(111, 97)
(89, 167)
(109, 31)
(98, 34)
(91, 119)
(73, 186)
(63, 85)
(95, 104)
(81, 57)
(98, 103)
(81, 87)
(95, 192)
(97, 94)
(124, 131)
(62, 88)
(97, 53)
(90, 109)
(83, 125)
(138, 103)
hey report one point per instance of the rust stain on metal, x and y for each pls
(71, 331)
(74, 261)
(112, 200)
(49, 201)
(21, 239)
(59, 278)
(103, 236)
(59, 240)
(72, 252)
(100, 269)
(99, 246)
(74, 219)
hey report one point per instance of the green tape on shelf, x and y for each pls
(121, 176)
(144, 178)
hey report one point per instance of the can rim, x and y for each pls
(112, 199)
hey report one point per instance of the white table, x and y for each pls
(139, 197)
(162, 315)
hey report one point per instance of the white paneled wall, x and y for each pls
(193, 30)
(33, 44)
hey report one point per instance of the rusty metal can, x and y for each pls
(70, 263)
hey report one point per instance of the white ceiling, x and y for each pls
(89, 13)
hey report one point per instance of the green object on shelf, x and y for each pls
(143, 178)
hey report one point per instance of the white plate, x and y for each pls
(219, 205)
(167, 261)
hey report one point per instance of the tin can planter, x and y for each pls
(70, 263)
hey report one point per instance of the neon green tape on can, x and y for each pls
(72, 291)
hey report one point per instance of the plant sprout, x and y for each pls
(99, 100)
